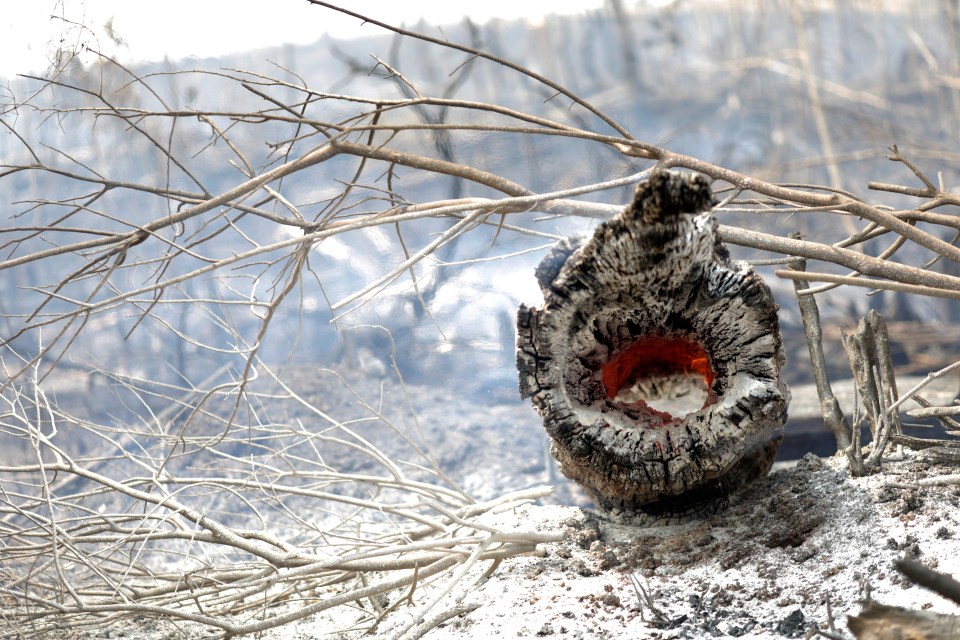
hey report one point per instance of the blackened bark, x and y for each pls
(635, 317)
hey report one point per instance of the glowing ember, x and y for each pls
(655, 357)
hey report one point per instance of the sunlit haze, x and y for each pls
(32, 32)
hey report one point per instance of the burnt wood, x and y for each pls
(648, 311)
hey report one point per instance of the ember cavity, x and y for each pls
(670, 376)
(655, 360)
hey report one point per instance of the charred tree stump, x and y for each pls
(655, 360)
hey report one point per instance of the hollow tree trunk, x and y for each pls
(655, 360)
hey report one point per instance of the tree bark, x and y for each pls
(646, 312)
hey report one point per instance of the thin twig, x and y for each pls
(833, 418)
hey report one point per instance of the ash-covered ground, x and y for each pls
(766, 566)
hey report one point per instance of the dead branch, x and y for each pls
(219, 497)
(872, 366)
(833, 418)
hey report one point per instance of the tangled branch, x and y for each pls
(181, 256)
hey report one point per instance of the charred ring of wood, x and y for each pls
(655, 360)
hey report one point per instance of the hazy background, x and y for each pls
(131, 32)
(738, 83)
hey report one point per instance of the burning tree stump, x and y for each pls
(655, 360)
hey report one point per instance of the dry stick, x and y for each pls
(872, 231)
(930, 189)
(831, 635)
(215, 621)
(442, 617)
(841, 203)
(521, 202)
(831, 630)
(313, 157)
(830, 623)
(855, 450)
(301, 572)
(937, 582)
(432, 165)
(418, 574)
(866, 373)
(886, 388)
(858, 348)
(869, 283)
(944, 417)
(920, 385)
(275, 621)
(919, 444)
(463, 225)
(833, 418)
(453, 582)
(888, 378)
(645, 600)
(934, 412)
(851, 259)
(940, 481)
(872, 366)
(948, 453)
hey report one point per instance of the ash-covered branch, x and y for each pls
(868, 352)
(833, 418)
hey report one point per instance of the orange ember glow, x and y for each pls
(655, 356)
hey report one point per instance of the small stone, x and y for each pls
(911, 551)
(803, 553)
(793, 625)
(810, 462)
(588, 532)
(609, 560)
(545, 630)
(581, 568)
(610, 600)
(887, 494)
